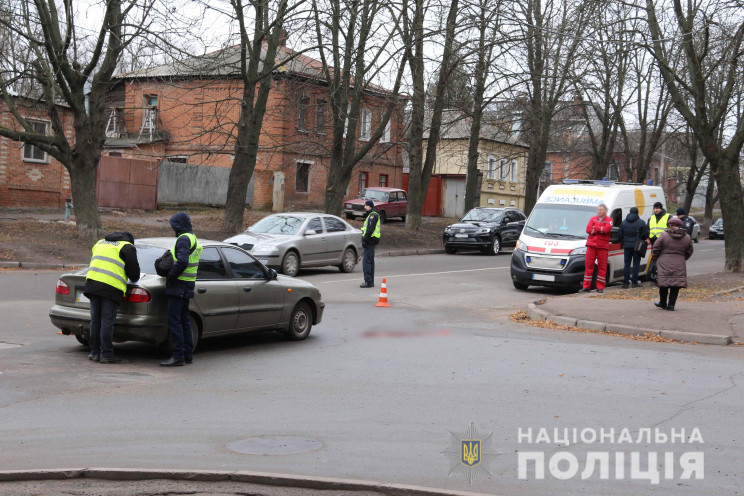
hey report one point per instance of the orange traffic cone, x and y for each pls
(383, 295)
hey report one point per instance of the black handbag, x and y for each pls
(164, 264)
(641, 246)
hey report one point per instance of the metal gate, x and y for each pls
(127, 183)
(454, 197)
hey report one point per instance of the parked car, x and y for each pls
(485, 228)
(390, 202)
(695, 230)
(234, 293)
(716, 230)
(288, 242)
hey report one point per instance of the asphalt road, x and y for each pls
(373, 393)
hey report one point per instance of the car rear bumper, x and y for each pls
(570, 278)
(147, 328)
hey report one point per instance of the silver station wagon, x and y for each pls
(234, 293)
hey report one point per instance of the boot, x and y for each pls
(172, 362)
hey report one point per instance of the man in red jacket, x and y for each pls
(597, 249)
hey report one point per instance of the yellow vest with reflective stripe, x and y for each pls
(656, 228)
(376, 233)
(189, 273)
(106, 266)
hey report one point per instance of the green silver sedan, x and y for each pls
(234, 293)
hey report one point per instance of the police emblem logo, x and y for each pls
(470, 451)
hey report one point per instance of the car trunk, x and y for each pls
(76, 298)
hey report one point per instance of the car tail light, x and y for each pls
(62, 288)
(137, 295)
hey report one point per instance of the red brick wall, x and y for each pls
(187, 114)
(25, 183)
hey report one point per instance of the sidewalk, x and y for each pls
(710, 311)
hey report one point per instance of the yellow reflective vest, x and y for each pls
(106, 266)
(656, 228)
(189, 273)
(376, 232)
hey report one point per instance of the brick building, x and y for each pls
(186, 113)
(29, 177)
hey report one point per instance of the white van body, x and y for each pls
(551, 248)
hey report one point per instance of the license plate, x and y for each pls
(81, 298)
(542, 277)
(461, 235)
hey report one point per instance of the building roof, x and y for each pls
(456, 126)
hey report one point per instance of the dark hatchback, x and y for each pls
(716, 230)
(486, 229)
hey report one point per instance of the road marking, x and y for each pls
(420, 274)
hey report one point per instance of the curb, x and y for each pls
(536, 313)
(265, 478)
(407, 253)
(40, 266)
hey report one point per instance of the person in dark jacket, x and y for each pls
(179, 288)
(114, 261)
(687, 222)
(370, 238)
(671, 252)
(632, 229)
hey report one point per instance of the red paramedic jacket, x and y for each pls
(599, 232)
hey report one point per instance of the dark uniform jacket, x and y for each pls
(374, 218)
(632, 228)
(181, 223)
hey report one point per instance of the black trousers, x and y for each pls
(671, 292)
(368, 263)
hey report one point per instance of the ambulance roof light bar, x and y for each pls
(597, 182)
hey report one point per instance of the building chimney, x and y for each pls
(283, 38)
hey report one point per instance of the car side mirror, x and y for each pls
(615, 235)
(310, 232)
(272, 274)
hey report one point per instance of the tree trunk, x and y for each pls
(83, 186)
(728, 180)
(710, 201)
(535, 165)
(335, 191)
(237, 186)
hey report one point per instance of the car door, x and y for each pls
(337, 236)
(215, 295)
(402, 203)
(314, 247)
(261, 299)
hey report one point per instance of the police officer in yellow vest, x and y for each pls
(114, 261)
(657, 224)
(179, 288)
(370, 238)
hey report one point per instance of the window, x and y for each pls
(503, 169)
(386, 133)
(114, 154)
(302, 178)
(346, 126)
(366, 125)
(547, 173)
(516, 125)
(149, 114)
(617, 217)
(333, 224)
(242, 265)
(319, 116)
(402, 196)
(383, 180)
(302, 114)
(656, 175)
(613, 172)
(314, 225)
(363, 177)
(32, 153)
(491, 174)
(210, 265)
(177, 159)
(514, 171)
(112, 126)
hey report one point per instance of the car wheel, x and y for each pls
(349, 261)
(291, 264)
(450, 250)
(697, 239)
(520, 286)
(349, 216)
(300, 322)
(494, 247)
(711, 236)
(83, 339)
(403, 218)
(383, 217)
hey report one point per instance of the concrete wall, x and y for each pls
(195, 184)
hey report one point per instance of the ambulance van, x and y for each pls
(551, 249)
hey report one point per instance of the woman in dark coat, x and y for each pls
(671, 252)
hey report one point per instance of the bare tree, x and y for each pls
(258, 50)
(414, 36)
(706, 91)
(552, 31)
(58, 62)
(355, 42)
